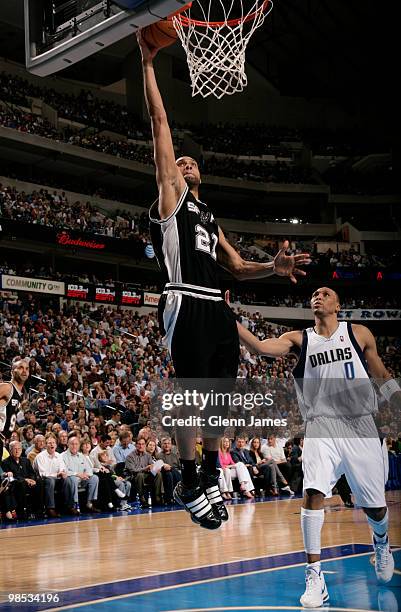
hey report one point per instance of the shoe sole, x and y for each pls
(193, 518)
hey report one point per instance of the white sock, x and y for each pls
(379, 528)
(311, 524)
(315, 566)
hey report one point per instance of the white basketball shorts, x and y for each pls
(364, 461)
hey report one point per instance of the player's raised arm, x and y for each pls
(169, 180)
(283, 265)
(388, 387)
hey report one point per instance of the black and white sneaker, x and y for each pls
(210, 485)
(196, 503)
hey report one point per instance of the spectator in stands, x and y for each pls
(104, 445)
(25, 496)
(171, 472)
(130, 416)
(296, 464)
(27, 437)
(122, 486)
(81, 472)
(152, 450)
(276, 452)
(268, 469)
(38, 446)
(123, 449)
(93, 434)
(234, 466)
(50, 466)
(62, 441)
(107, 499)
(139, 465)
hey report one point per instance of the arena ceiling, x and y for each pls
(338, 49)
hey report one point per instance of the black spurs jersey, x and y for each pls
(8, 412)
(185, 243)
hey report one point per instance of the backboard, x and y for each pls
(59, 33)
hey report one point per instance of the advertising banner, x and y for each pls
(36, 285)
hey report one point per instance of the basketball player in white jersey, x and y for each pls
(190, 247)
(337, 401)
(11, 395)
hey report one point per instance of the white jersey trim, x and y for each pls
(188, 286)
(171, 250)
(195, 295)
(175, 211)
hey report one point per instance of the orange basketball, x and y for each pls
(162, 33)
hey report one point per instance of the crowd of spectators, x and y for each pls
(258, 171)
(84, 107)
(250, 140)
(351, 258)
(263, 248)
(279, 172)
(303, 301)
(55, 210)
(341, 180)
(224, 137)
(95, 375)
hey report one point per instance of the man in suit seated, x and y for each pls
(240, 454)
(26, 491)
(139, 465)
(171, 472)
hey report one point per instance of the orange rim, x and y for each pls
(186, 21)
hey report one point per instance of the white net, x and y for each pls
(216, 48)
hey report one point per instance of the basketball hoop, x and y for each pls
(216, 48)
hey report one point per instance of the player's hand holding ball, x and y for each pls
(147, 52)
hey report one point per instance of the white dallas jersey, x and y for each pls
(331, 376)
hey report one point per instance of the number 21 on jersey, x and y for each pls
(205, 242)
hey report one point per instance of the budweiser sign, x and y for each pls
(65, 239)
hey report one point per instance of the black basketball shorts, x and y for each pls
(201, 334)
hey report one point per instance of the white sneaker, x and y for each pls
(287, 489)
(384, 561)
(316, 591)
(124, 506)
(119, 493)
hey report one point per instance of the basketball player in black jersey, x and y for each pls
(11, 395)
(198, 327)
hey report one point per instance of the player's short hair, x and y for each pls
(182, 156)
(16, 361)
(335, 293)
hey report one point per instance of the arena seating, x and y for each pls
(274, 142)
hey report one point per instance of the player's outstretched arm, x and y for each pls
(388, 387)
(271, 347)
(169, 180)
(283, 265)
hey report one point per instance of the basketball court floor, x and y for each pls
(155, 561)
